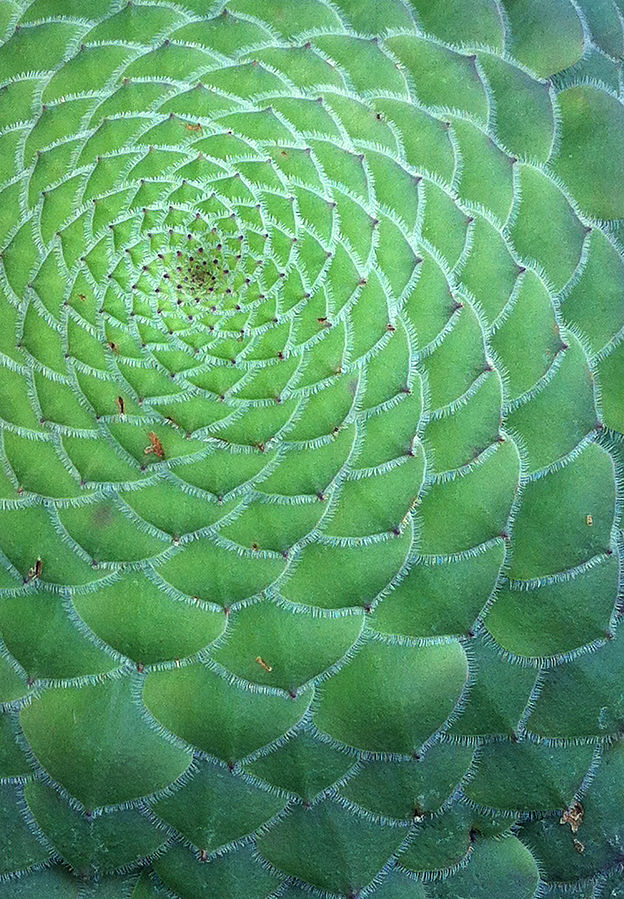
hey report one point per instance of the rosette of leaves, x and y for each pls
(312, 392)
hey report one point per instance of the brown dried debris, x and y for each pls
(155, 446)
(573, 816)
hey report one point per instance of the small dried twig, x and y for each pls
(34, 573)
(573, 816)
(155, 446)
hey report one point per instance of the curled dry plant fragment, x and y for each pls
(312, 402)
(155, 446)
(573, 816)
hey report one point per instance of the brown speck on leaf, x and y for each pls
(589, 521)
(580, 847)
(114, 346)
(193, 127)
(121, 404)
(203, 855)
(34, 573)
(573, 816)
(155, 446)
(263, 664)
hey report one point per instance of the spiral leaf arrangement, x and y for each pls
(312, 392)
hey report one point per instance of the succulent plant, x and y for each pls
(312, 394)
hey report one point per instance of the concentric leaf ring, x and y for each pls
(310, 393)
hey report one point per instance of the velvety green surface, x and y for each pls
(312, 402)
